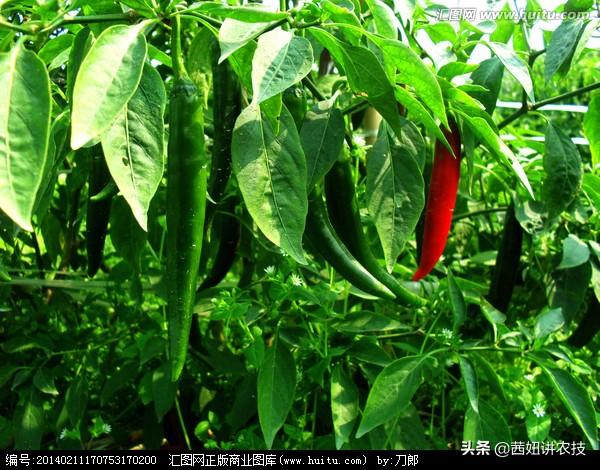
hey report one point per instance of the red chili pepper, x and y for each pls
(443, 187)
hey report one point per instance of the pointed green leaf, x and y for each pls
(575, 252)
(322, 138)
(276, 388)
(252, 13)
(577, 401)
(561, 48)
(591, 127)
(563, 167)
(107, 79)
(487, 425)
(469, 376)
(28, 423)
(412, 70)
(280, 60)
(163, 390)
(271, 171)
(344, 405)
(484, 132)
(24, 131)
(516, 66)
(235, 34)
(134, 145)
(457, 302)
(395, 193)
(391, 392)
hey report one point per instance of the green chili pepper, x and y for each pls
(323, 239)
(98, 212)
(345, 218)
(186, 203)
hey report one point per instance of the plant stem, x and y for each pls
(182, 424)
(355, 107)
(533, 107)
(212, 21)
(467, 215)
(308, 83)
(178, 67)
(14, 27)
(108, 18)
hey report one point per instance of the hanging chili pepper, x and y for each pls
(443, 187)
(186, 204)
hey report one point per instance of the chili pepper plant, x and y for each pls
(327, 224)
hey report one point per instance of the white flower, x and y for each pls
(270, 270)
(447, 334)
(538, 410)
(296, 280)
(63, 433)
(106, 428)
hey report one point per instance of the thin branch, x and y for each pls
(467, 215)
(14, 27)
(533, 107)
(355, 107)
(308, 83)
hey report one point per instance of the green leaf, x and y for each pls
(18, 344)
(515, 66)
(163, 390)
(276, 388)
(271, 171)
(365, 76)
(591, 187)
(108, 77)
(344, 405)
(559, 52)
(469, 376)
(322, 138)
(457, 302)
(366, 322)
(81, 45)
(366, 350)
(395, 193)
(591, 128)
(24, 131)
(134, 145)
(487, 425)
(576, 399)
(538, 429)
(280, 60)
(548, 322)
(43, 380)
(119, 379)
(6, 432)
(252, 13)
(571, 287)
(344, 12)
(55, 52)
(28, 422)
(235, 34)
(126, 234)
(563, 167)
(391, 392)
(489, 75)
(575, 252)
(417, 112)
(386, 23)
(76, 400)
(412, 71)
(454, 69)
(6, 372)
(490, 375)
(482, 130)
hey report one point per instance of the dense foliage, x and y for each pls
(284, 165)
